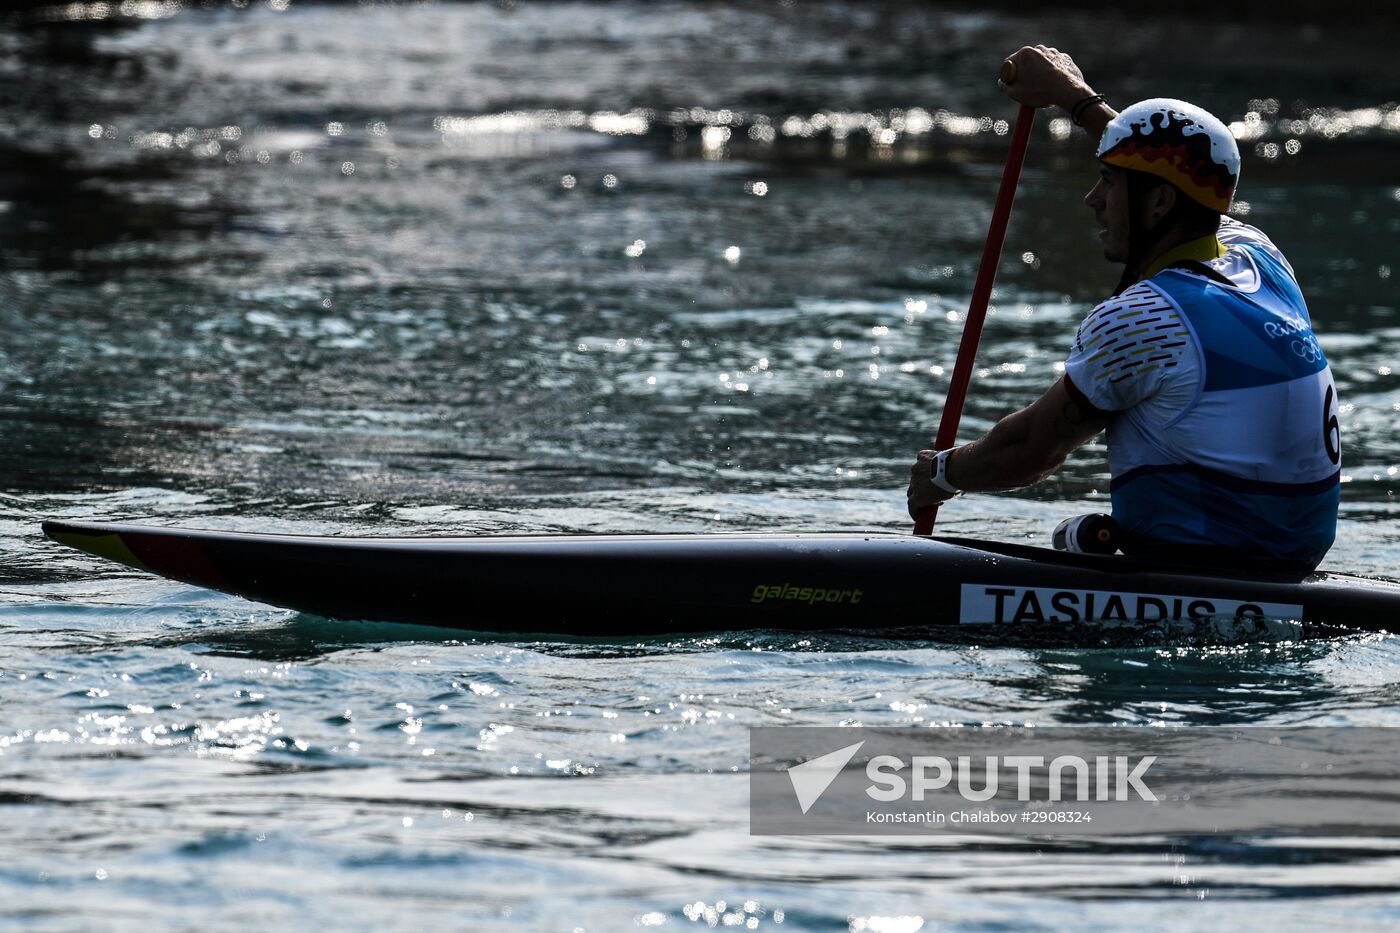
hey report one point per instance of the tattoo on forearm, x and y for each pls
(1071, 420)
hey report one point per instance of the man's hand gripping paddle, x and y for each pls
(982, 290)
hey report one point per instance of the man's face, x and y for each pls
(1109, 201)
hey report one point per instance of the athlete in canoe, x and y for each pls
(1221, 411)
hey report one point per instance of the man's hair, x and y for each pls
(1196, 218)
(1191, 215)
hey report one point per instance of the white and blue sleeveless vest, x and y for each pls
(1253, 463)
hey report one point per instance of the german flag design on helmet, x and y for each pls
(1178, 142)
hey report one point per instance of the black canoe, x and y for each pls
(643, 585)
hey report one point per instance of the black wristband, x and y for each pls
(1078, 109)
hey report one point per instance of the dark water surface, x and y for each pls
(542, 267)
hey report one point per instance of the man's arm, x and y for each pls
(1023, 448)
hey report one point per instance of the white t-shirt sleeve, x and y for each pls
(1128, 350)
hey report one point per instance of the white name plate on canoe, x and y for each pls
(987, 603)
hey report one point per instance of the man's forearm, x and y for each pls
(1024, 447)
(1003, 458)
(1028, 445)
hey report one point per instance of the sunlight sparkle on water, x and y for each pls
(127, 9)
(612, 123)
(748, 915)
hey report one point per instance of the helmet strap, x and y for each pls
(1142, 238)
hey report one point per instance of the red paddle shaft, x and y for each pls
(981, 295)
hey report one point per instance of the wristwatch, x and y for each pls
(938, 472)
